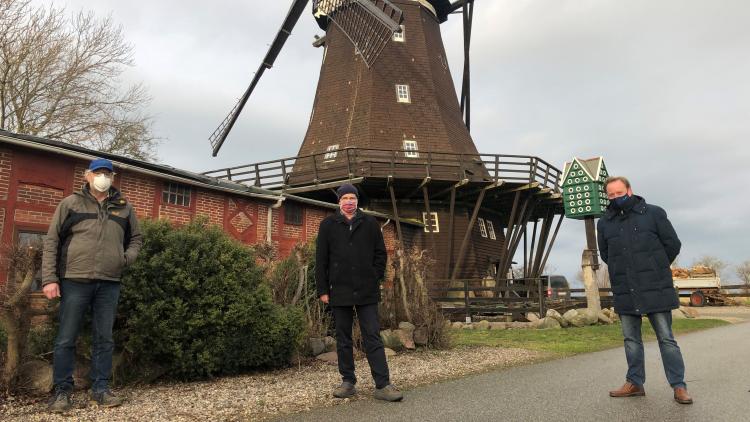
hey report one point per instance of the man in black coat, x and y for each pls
(350, 263)
(638, 243)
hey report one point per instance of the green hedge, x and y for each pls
(194, 303)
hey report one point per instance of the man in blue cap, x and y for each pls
(349, 266)
(93, 236)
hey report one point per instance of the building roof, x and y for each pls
(165, 171)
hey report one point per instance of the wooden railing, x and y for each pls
(367, 162)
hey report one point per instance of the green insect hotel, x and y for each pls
(583, 188)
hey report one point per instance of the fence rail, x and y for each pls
(369, 162)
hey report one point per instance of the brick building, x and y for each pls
(36, 173)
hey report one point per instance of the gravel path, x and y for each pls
(265, 395)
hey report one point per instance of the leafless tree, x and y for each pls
(60, 77)
(743, 272)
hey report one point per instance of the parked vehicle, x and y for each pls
(557, 286)
(703, 284)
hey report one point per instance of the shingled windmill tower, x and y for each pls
(386, 116)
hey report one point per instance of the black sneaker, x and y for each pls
(344, 391)
(60, 402)
(105, 399)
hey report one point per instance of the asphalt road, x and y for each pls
(717, 373)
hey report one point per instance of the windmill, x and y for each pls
(387, 118)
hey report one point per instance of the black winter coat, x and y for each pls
(638, 244)
(350, 260)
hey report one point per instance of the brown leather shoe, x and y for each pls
(629, 390)
(681, 396)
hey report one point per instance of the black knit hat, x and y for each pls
(346, 188)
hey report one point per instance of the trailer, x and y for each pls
(703, 285)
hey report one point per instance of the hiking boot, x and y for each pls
(60, 402)
(681, 396)
(388, 393)
(344, 391)
(628, 390)
(105, 399)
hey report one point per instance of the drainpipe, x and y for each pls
(269, 220)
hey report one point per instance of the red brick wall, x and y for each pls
(211, 205)
(32, 217)
(140, 192)
(175, 213)
(39, 195)
(5, 165)
(2, 221)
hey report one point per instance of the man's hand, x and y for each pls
(51, 290)
(324, 299)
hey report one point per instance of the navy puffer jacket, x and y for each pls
(638, 243)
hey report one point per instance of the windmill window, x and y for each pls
(411, 149)
(402, 93)
(431, 224)
(482, 227)
(491, 230)
(176, 194)
(399, 36)
(331, 152)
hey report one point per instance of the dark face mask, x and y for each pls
(620, 201)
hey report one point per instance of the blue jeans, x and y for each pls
(77, 298)
(671, 357)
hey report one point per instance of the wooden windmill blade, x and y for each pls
(219, 135)
(369, 24)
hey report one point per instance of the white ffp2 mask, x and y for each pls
(102, 182)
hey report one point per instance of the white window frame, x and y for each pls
(402, 93)
(482, 227)
(411, 149)
(331, 152)
(434, 219)
(491, 230)
(399, 36)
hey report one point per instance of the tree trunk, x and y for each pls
(13, 353)
(589, 280)
(402, 282)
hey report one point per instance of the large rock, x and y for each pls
(578, 320)
(457, 325)
(592, 316)
(406, 326)
(420, 336)
(604, 318)
(551, 313)
(317, 346)
(406, 337)
(570, 315)
(328, 357)
(330, 343)
(482, 325)
(36, 375)
(548, 323)
(391, 340)
(498, 325)
(532, 316)
(389, 352)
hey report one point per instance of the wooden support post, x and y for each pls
(467, 235)
(589, 265)
(451, 218)
(395, 214)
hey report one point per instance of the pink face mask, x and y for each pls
(348, 207)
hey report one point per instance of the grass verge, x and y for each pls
(570, 341)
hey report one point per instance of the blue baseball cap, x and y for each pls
(101, 163)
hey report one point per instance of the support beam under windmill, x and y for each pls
(451, 220)
(451, 189)
(467, 235)
(428, 220)
(395, 213)
(468, 15)
(424, 183)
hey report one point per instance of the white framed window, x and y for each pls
(482, 227)
(176, 194)
(399, 36)
(331, 152)
(431, 223)
(402, 93)
(491, 230)
(411, 150)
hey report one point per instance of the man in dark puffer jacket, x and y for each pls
(638, 243)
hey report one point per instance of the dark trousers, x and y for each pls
(76, 299)
(343, 317)
(671, 357)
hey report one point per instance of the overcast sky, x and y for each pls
(661, 89)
